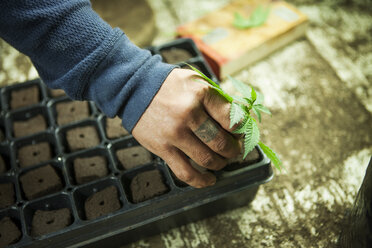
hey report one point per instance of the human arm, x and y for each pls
(73, 49)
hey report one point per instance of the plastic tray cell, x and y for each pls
(136, 197)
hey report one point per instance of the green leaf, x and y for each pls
(252, 136)
(236, 114)
(262, 108)
(271, 155)
(243, 125)
(257, 18)
(216, 86)
(249, 101)
(253, 95)
(257, 112)
(208, 84)
(244, 89)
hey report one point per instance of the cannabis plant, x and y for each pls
(256, 19)
(241, 115)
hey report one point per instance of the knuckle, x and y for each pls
(221, 144)
(208, 97)
(185, 176)
(176, 132)
(206, 160)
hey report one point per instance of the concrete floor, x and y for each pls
(319, 89)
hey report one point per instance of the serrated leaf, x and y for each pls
(242, 127)
(257, 18)
(244, 89)
(215, 85)
(257, 112)
(236, 114)
(251, 136)
(248, 100)
(253, 95)
(271, 155)
(262, 108)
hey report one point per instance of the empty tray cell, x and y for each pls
(45, 222)
(56, 93)
(33, 154)
(133, 156)
(102, 203)
(146, 185)
(29, 121)
(25, 96)
(48, 215)
(9, 232)
(84, 137)
(176, 55)
(7, 195)
(90, 168)
(71, 111)
(237, 163)
(114, 128)
(40, 181)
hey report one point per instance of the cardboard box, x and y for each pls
(229, 49)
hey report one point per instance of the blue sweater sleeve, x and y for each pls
(74, 49)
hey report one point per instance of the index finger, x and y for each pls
(218, 108)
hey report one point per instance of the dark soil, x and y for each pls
(114, 128)
(57, 93)
(175, 55)
(7, 196)
(72, 111)
(24, 97)
(133, 156)
(82, 137)
(9, 232)
(147, 185)
(44, 222)
(41, 181)
(34, 154)
(101, 203)
(89, 169)
(26, 127)
(238, 162)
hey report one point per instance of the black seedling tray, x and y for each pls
(195, 59)
(178, 204)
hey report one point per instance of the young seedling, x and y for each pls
(256, 19)
(240, 113)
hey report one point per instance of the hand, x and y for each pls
(188, 118)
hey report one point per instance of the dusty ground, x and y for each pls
(319, 89)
